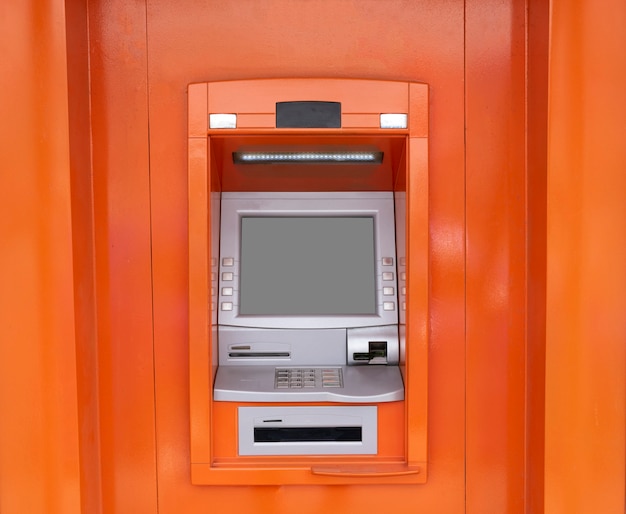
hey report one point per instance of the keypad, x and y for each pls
(307, 378)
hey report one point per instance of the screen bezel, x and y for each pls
(377, 205)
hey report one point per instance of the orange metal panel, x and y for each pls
(123, 264)
(241, 96)
(585, 468)
(496, 256)
(256, 120)
(140, 222)
(194, 42)
(418, 299)
(197, 119)
(83, 254)
(214, 449)
(200, 283)
(360, 120)
(39, 431)
(536, 185)
(418, 95)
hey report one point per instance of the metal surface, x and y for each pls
(585, 359)
(363, 417)
(361, 384)
(235, 206)
(118, 62)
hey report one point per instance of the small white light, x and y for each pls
(393, 121)
(222, 121)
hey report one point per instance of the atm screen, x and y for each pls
(307, 266)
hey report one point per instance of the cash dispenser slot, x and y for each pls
(307, 434)
(305, 430)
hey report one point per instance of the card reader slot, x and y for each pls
(376, 354)
(267, 355)
(259, 351)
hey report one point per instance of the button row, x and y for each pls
(402, 286)
(388, 276)
(227, 276)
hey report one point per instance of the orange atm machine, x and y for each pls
(308, 281)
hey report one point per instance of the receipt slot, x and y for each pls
(308, 281)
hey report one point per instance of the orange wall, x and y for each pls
(39, 453)
(248, 40)
(495, 330)
(585, 434)
(93, 300)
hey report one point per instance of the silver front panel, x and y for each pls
(377, 205)
(360, 384)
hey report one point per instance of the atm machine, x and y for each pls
(308, 281)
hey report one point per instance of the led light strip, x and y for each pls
(307, 157)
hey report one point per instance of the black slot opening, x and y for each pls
(378, 349)
(377, 353)
(307, 434)
(268, 355)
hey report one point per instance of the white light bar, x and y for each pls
(221, 121)
(393, 121)
(308, 157)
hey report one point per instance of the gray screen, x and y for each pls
(307, 266)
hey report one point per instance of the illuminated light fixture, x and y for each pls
(321, 157)
(222, 121)
(393, 121)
